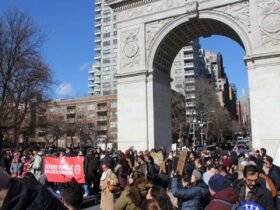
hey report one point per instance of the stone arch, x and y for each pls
(183, 29)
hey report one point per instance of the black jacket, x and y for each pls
(263, 196)
(21, 197)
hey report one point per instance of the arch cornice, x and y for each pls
(206, 14)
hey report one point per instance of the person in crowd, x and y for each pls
(198, 164)
(152, 169)
(263, 152)
(159, 194)
(133, 195)
(38, 164)
(273, 171)
(16, 195)
(189, 166)
(141, 166)
(252, 189)
(107, 197)
(190, 194)
(222, 194)
(72, 195)
(16, 167)
(121, 170)
(150, 205)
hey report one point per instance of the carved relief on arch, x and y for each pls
(130, 51)
(149, 7)
(269, 22)
(152, 29)
(239, 11)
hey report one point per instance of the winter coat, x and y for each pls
(227, 194)
(274, 175)
(107, 198)
(21, 197)
(124, 202)
(263, 196)
(192, 198)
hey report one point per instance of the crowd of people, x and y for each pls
(144, 180)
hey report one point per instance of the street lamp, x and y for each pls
(194, 121)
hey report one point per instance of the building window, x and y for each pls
(106, 92)
(106, 85)
(107, 68)
(106, 77)
(106, 60)
(106, 52)
(115, 50)
(106, 35)
(106, 12)
(115, 41)
(114, 104)
(106, 19)
(80, 116)
(106, 28)
(113, 114)
(90, 125)
(80, 108)
(115, 68)
(113, 124)
(91, 107)
(106, 43)
(115, 84)
(91, 115)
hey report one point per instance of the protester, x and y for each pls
(107, 197)
(72, 195)
(252, 189)
(222, 194)
(191, 196)
(159, 194)
(134, 194)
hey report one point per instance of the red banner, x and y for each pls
(63, 169)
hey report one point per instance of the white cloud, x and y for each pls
(85, 66)
(64, 90)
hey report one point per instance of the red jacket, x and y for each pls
(227, 194)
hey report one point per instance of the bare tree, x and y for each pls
(178, 116)
(23, 73)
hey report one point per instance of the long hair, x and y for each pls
(160, 195)
(136, 189)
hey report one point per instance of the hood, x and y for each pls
(227, 194)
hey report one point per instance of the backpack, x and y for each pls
(233, 206)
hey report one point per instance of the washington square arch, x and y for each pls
(151, 33)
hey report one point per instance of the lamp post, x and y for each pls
(194, 121)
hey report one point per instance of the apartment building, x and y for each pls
(188, 65)
(102, 75)
(85, 121)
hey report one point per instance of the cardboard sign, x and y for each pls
(181, 162)
(276, 160)
(64, 169)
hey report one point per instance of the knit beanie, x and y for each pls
(196, 174)
(218, 183)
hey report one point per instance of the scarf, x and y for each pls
(104, 174)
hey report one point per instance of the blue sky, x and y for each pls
(68, 49)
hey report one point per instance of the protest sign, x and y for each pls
(181, 161)
(63, 169)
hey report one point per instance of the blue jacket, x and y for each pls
(192, 198)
